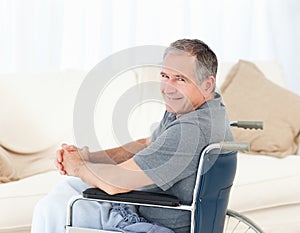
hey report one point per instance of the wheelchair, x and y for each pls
(208, 210)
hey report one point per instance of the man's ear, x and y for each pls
(208, 86)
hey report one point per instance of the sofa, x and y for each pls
(37, 116)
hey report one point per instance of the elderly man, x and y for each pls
(165, 163)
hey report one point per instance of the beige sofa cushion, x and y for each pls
(265, 182)
(18, 199)
(266, 190)
(248, 95)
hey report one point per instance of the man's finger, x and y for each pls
(73, 148)
(58, 165)
(69, 148)
(59, 155)
(62, 172)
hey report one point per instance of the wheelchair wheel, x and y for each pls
(237, 223)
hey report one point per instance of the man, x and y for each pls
(167, 161)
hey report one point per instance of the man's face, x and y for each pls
(178, 84)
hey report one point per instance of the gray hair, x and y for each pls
(207, 62)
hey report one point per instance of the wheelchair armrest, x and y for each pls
(141, 197)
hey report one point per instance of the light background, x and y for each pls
(53, 35)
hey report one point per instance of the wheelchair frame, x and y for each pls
(229, 147)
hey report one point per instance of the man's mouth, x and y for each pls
(173, 98)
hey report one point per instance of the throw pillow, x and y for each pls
(249, 95)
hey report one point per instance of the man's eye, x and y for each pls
(181, 79)
(164, 76)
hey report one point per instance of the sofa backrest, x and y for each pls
(37, 109)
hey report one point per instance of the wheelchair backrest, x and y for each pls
(212, 197)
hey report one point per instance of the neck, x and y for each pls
(204, 100)
(210, 97)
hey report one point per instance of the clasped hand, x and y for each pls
(70, 159)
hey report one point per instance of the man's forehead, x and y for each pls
(179, 63)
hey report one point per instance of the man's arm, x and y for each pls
(110, 178)
(120, 154)
(110, 156)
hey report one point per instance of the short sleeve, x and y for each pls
(173, 156)
(159, 128)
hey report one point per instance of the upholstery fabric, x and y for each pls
(249, 95)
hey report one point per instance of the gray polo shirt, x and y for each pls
(172, 157)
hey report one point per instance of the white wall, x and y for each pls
(38, 35)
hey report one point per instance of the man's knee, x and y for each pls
(56, 201)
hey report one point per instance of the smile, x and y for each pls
(173, 98)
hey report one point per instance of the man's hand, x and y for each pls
(72, 162)
(84, 152)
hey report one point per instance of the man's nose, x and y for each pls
(169, 88)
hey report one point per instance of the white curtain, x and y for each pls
(40, 35)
